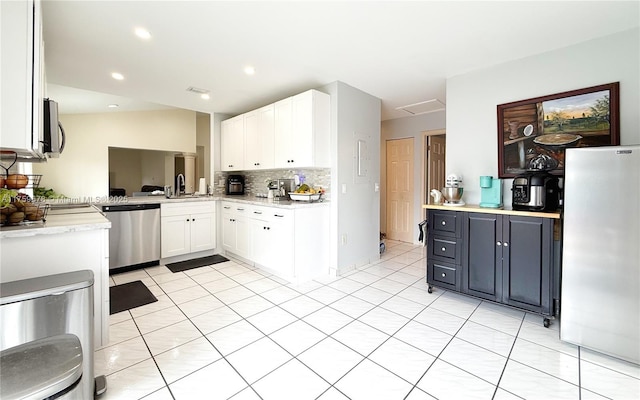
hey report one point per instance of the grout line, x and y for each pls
(305, 292)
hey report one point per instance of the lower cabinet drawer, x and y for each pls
(444, 248)
(444, 274)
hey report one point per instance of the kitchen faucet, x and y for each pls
(179, 184)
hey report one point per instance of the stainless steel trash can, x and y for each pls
(49, 306)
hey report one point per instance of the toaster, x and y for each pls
(535, 191)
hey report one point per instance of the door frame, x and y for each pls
(424, 166)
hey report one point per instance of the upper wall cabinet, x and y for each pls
(22, 78)
(294, 132)
(302, 136)
(259, 138)
(232, 144)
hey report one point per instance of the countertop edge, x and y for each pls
(56, 226)
(289, 204)
(505, 211)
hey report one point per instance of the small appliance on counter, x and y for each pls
(235, 185)
(452, 191)
(535, 191)
(280, 188)
(490, 192)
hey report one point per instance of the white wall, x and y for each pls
(402, 128)
(83, 169)
(356, 213)
(472, 99)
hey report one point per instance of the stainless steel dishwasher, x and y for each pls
(134, 237)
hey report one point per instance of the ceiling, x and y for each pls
(401, 52)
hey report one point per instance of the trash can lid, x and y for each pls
(32, 288)
(41, 368)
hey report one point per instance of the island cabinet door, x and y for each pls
(482, 257)
(527, 259)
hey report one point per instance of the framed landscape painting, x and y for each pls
(533, 134)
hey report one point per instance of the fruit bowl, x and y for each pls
(304, 196)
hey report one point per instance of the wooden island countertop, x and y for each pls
(507, 211)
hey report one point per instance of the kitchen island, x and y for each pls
(502, 255)
(70, 239)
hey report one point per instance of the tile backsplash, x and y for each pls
(256, 181)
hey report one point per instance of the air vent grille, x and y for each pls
(423, 107)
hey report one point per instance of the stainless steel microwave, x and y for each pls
(53, 139)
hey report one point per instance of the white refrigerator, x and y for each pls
(600, 297)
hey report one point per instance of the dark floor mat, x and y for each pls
(129, 295)
(196, 263)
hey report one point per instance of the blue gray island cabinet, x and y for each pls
(503, 256)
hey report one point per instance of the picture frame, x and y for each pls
(534, 133)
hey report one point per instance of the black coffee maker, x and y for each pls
(535, 191)
(235, 185)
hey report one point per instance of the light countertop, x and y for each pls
(506, 211)
(240, 199)
(72, 217)
(60, 221)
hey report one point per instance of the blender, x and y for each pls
(452, 191)
(490, 192)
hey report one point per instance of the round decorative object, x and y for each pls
(558, 139)
(528, 130)
(16, 181)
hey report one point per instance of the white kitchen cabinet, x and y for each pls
(272, 231)
(235, 229)
(259, 138)
(291, 243)
(232, 144)
(302, 131)
(187, 228)
(283, 134)
(21, 78)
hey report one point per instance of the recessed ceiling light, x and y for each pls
(142, 33)
(205, 96)
(117, 76)
(249, 70)
(113, 106)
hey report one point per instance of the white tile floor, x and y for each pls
(233, 331)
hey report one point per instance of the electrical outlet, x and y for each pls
(343, 239)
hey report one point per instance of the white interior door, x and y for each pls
(400, 189)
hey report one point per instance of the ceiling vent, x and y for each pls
(197, 90)
(424, 107)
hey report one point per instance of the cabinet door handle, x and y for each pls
(499, 243)
(193, 219)
(444, 275)
(226, 207)
(505, 244)
(278, 215)
(240, 209)
(444, 249)
(258, 212)
(444, 223)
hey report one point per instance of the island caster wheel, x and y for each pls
(546, 322)
(430, 289)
